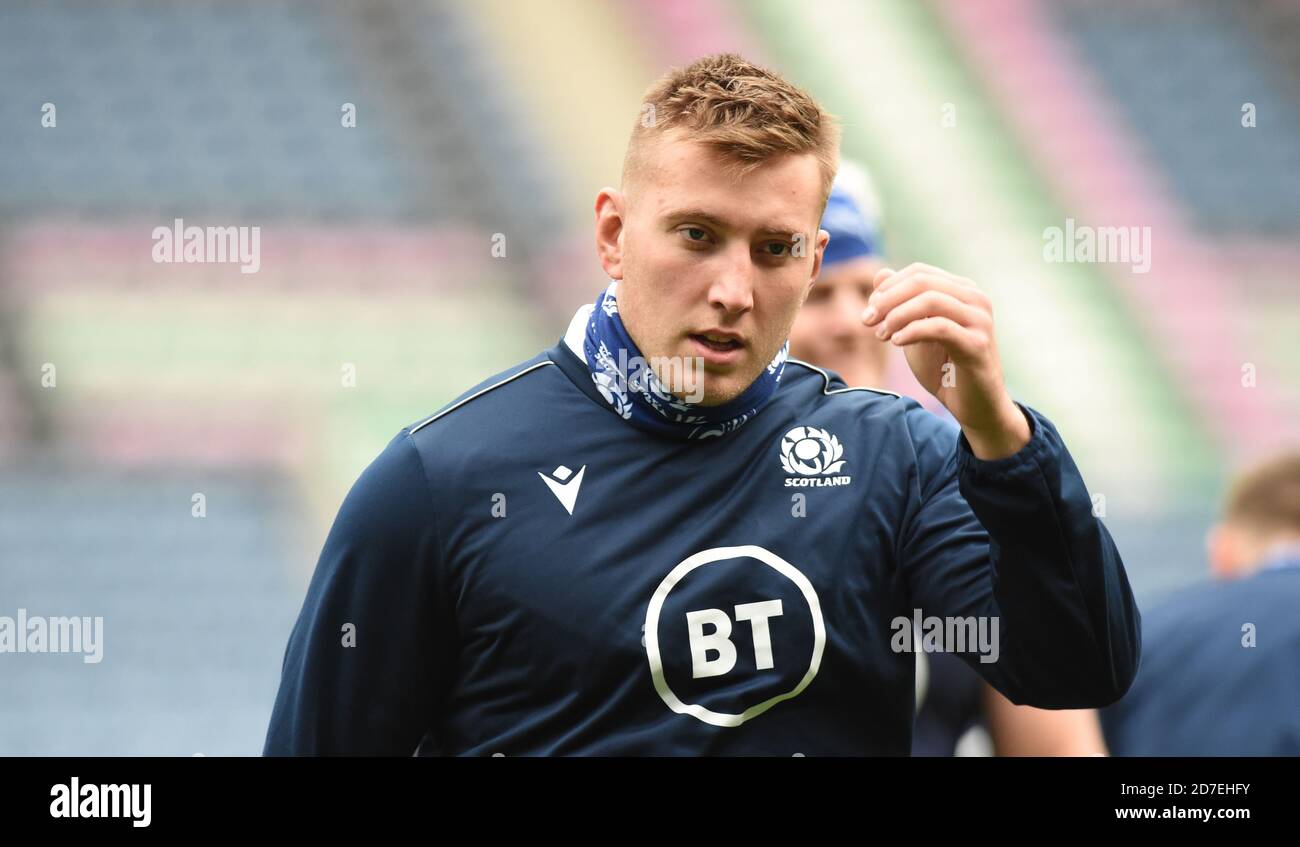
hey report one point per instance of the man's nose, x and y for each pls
(733, 288)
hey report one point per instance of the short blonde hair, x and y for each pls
(746, 113)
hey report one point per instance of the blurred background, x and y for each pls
(175, 438)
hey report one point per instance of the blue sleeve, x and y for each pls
(1016, 538)
(373, 645)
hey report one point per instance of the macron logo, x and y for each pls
(564, 484)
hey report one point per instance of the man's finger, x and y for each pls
(916, 269)
(897, 276)
(962, 342)
(881, 302)
(927, 303)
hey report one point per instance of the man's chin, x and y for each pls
(707, 383)
(720, 389)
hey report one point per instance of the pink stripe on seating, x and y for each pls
(679, 31)
(132, 433)
(52, 255)
(1190, 301)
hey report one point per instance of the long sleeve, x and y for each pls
(1016, 538)
(373, 645)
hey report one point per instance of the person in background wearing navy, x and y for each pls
(957, 713)
(663, 537)
(1220, 671)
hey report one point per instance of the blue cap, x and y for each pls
(853, 234)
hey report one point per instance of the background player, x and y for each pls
(1220, 673)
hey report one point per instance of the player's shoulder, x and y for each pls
(806, 379)
(812, 387)
(515, 387)
(1208, 603)
(487, 424)
(482, 419)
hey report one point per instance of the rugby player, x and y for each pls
(569, 560)
(1219, 677)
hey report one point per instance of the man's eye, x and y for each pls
(778, 248)
(694, 233)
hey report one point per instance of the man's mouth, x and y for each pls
(718, 341)
(718, 349)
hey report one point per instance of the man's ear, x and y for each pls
(610, 216)
(1222, 549)
(823, 238)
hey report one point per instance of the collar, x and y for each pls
(577, 331)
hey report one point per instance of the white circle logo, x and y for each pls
(674, 577)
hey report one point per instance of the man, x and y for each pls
(585, 556)
(1221, 673)
(956, 711)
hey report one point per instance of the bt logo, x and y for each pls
(698, 647)
(719, 640)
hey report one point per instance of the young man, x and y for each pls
(583, 555)
(955, 711)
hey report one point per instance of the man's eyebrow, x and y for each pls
(697, 215)
(706, 217)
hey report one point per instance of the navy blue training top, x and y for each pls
(526, 573)
(1220, 672)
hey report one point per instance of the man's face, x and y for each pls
(829, 331)
(713, 266)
